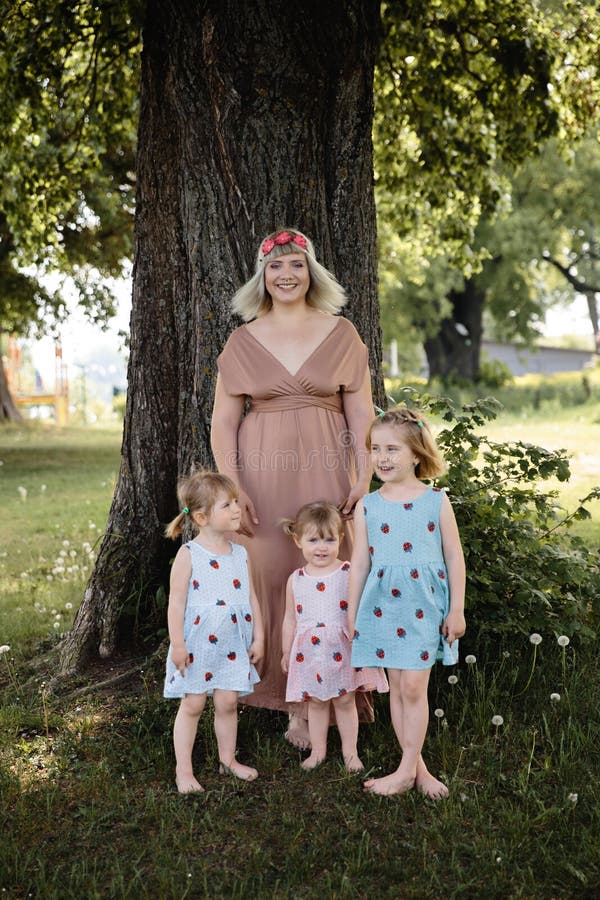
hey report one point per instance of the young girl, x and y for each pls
(215, 627)
(315, 636)
(408, 573)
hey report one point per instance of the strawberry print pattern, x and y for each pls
(217, 626)
(320, 664)
(405, 599)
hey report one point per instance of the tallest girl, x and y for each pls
(303, 371)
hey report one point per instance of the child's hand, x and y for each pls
(454, 626)
(180, 657)
(256, 651)
(285, 663)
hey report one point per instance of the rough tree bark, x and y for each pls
(253, 115)
(455, 351)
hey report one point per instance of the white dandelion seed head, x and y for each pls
(535, 639)
(4, 649)
(470, 659)
(452, 679)
(439, 713)
(68, 606)
(562, 640)
(555, 698)
(22, 492)
(57, 624)
(497, 720)
(43, 488)
(506, 654)
(66, 543)
(573, 798)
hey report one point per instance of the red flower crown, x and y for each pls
(284, 237)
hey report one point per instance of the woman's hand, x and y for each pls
(256, 651)
(249, 516)
(359, 490)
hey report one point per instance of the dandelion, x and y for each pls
(470, 659)
(439, 713)
(497, 720)
(452, 679)
(573, 798)
(57, 624)
(66, 543)
(24, 574)
(42, 488)
(555, 698)
(562, 640)
(506, 654)
(4, 649)
(535, 639)
(22, 493)
(68, 606)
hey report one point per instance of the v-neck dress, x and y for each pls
(293, 448)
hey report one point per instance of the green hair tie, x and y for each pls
(185, 511)
(419, 423)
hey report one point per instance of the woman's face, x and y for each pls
(287, 278)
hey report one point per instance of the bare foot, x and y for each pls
(389, 784)
(297, 733)
(430, 786)
(235, 768)
(311, 762)
(187, 784)
(353, 763)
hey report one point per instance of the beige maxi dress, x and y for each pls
(294, 447)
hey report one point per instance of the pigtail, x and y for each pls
(288, 526)
(176, 526)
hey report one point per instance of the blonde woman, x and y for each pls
(292, 408)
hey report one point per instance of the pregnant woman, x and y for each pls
(292, 408)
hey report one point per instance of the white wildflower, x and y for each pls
(68, 606)
(22, 492)
(555, 698)
(4, 649)
(43, 488)
(562, 640)
(470, 659)
(497, 720)
(573, 798)
(535, 639)
(452, 679)
(439, 713)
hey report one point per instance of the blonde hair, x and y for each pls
(324, 517)
(198, 492)
(417, 434)
(324, 292)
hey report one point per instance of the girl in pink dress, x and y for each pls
(315, 638)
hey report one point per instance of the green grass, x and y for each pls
(87, 806)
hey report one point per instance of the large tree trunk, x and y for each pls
(454, 352)
(253, 115)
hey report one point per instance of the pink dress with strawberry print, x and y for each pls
(405, 599)
(217, 626)
(320, 666)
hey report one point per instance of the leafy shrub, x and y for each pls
(525, 572)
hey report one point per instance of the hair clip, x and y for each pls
(185, 511)
(419, 423)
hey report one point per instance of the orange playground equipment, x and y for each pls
(27, 396)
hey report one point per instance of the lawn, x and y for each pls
(87, 806)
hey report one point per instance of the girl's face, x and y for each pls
(393, 459)
(287, 278)
(319, 552)
(225, 515)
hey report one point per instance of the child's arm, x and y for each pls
(288, 627)
(257, 647)
(360, 564)
(455, 625)
(180, 578)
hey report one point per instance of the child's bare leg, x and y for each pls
(427, 783)
(226, 723)
(184, 735)
(318, 725)
(346, 717)
(408, 700)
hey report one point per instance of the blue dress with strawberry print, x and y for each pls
(217, 626)
(320, 666)
(405, 599)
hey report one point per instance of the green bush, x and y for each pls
(525, 572)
